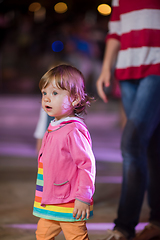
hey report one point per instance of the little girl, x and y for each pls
(66, 164)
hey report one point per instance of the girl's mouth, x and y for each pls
(47, 107)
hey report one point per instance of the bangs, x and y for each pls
(48, 78)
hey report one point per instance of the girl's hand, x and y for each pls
(81, 210)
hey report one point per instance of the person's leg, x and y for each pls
(143, 117)
(47, 229)
(128, 94)
(128, 91)
(74, 230)
(154, 177)
(152, 229)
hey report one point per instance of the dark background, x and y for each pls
(26, 45)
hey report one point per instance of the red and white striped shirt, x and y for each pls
(136, 24)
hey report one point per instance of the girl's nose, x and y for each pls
(46, 98)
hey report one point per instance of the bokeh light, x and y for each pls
(61, 7)
(40, 15)
(33, 7)
(57, 46)
(104, 9)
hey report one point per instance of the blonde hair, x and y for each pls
(71, 79)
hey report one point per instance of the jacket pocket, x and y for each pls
(62, 190)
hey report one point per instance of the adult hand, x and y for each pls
(102, 82)
(110, 56)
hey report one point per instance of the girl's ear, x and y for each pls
(75, 102)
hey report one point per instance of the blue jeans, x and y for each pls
(140, 146)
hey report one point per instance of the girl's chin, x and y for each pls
(51, 115)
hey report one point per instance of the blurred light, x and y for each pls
(40, 15)
(61, 7)
(57, 46)
(104, 9)
(33, 7)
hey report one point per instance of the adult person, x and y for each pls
(133, 47)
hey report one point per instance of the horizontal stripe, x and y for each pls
(53, 208)
(112, 36)
(142, 38)
(137, 72)
(129, 21)
(138, 56)
(102, 226)
(115, 14)
(129, 6)
(114, 28)
(115, 3)
(39, 182)
(143, 17)
(38, 199)
(40, 165)
(39, 188)
(40, 171)
(70, 205)
(38, 193)
(56, 216)
(64, 205)
(40, 176)
(57, 208)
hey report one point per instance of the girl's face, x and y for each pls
(56, 102)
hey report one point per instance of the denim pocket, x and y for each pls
(62, 190)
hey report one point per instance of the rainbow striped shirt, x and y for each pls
(57, 212)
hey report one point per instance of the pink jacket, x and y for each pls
(68, 164)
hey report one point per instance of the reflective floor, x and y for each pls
(18, 166)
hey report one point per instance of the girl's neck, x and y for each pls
(73, 117)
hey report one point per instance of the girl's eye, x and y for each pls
(44, 93)
(55, 93)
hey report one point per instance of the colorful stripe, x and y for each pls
(57, 212)
(57, 216)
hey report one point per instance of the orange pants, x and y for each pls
(48, 229)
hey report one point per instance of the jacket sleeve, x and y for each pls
(81, 153)
(114, 24)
